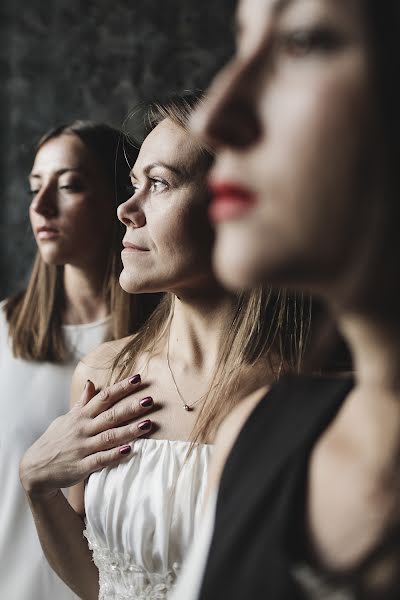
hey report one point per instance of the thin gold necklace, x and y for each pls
(186, 406)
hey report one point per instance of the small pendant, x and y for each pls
(186, 407)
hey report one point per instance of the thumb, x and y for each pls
(89, 391)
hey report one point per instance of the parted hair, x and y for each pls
(35, 314)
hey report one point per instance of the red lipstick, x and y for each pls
(229, 201)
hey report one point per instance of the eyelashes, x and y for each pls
(157, 185)
(308, 41)
(72, 188)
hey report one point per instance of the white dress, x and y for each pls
(32, 395)
(142, 515)
(191, 578)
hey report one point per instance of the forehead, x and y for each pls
(261, 14)
(168, 143)
(64, 151)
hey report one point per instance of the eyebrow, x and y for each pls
(182, 173)
(277, 7)
(59, 172)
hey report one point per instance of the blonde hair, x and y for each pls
(265, 337)
(35, 315)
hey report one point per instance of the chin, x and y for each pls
(235, 273)
(240, 264)
(53, 260)
(132, 284)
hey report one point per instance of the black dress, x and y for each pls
(259, 524)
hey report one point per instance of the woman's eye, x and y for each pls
(34, 192)
(158, 185)
(303, 42)
(71, 187)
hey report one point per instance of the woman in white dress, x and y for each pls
(64, 313)
(201, 351)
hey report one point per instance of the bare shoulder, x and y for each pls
(96, 366)
(102, 356)
(229, 431)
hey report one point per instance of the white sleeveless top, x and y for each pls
(32, 395)
(142, 515)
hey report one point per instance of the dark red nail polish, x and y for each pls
(145, 425)
(147, 402)
(134, 379)
(124, 449)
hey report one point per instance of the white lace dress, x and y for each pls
(142, 515)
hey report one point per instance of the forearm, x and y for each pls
(60, 530)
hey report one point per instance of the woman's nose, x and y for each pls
(228, 117)
(131, 214)
(45, 202)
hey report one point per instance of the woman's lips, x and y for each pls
(229, 201)
(47, 233)
(129, 247)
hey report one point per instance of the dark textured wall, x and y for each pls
(64, 59)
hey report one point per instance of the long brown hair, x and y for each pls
(265, 337)
(35, 314)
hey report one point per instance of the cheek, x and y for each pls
(183, 232)
(313, 155)
(32, 216)
(306, 175)
(85, 215)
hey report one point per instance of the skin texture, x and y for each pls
(166, 215)
(307, 144)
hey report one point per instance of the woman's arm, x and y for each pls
(60, 530)
(89, 437)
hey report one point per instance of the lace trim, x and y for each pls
(120, 579)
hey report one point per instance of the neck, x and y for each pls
(84, 298)
(197, 328)
(375, 346)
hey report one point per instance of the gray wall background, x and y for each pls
(65, 59)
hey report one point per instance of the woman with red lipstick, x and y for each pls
(230, 201)
(72, 303)
(200, 352)
(309, 494)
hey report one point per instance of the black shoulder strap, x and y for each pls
(258, 483)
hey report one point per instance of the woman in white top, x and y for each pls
(202, 350)
(64, 313)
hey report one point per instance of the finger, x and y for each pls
(89, 391)
(105, 458)
(112, 394)
(121, 413)
(113, 438)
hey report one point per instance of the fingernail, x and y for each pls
(145, 425)
(86, 384)
(147, 402)
(134, 379)
(124, 449)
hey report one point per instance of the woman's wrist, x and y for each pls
(33, 485)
